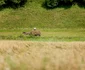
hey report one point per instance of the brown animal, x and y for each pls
(26, 33)
(33, 33)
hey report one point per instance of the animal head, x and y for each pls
(26, 33)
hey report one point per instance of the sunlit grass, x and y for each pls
(34, 15)
(46, 35)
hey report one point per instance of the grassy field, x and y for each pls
(29, 55)
(46, 35)
(56, 49)
(34, 15)
(59, 24)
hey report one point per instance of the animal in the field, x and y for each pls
(26, 33)
(33, 33)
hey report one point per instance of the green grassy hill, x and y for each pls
(34, 15)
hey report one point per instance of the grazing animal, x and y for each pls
(33, 33)
(26, 33)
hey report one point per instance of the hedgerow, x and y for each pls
(13, 3)
(55, 3)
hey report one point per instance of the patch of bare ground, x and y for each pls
(28, 55)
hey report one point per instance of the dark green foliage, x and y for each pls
(83, 1)
(55, 3)
(66, 1)
(12, 3)
(15, 1)
(51, 3)
(22, 2)
(2, 2)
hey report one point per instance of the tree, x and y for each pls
(51, 3)
(55, 3)
(83, 1)
(66, 1)
(2, 2)
(13, 3)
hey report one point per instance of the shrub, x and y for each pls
(66, 1)
(15, 3)
(55, 3)
(83, 1)
(22, 2)
(2, 2)
(51, 3)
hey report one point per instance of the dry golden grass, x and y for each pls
(28, 55)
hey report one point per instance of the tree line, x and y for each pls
(55, 3)
(47, 3)
(12, 3)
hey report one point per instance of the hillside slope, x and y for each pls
(34, 15)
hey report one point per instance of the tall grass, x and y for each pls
(27, 55)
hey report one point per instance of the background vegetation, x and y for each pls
(33, 14)
(55, 3)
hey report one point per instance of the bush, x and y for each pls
(83, 1)
(22, 2)
(67, 1)
(13, 3)
(55, 3)
(51, 3)
(2, 2)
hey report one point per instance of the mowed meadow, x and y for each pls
(49, 35)
(29, 55)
